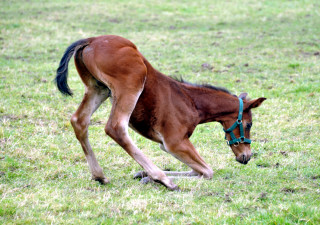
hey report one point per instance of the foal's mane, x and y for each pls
(205, 85)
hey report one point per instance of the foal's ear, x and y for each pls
(243, 95)
(254, 103)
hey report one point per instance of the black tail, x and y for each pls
(62, 71)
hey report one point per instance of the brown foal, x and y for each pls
(158, 107)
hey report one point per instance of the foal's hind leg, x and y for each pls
(80, 120)
(125, 97)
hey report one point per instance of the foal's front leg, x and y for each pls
(80, 121)
(186, 153)
(191, 173)
(173, 174)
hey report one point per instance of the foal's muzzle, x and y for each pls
(243, 158)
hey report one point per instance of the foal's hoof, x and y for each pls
(171, 186)
(146, 180)
(140, 175)
(102, 180)
(176, 188)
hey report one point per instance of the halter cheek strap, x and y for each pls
(242, 139)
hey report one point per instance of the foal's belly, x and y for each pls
(150, 134)
(143, 120)
(143, 127)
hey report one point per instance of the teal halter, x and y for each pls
(235, 140)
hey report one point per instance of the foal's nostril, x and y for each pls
(243, 158)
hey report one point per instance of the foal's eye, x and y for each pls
(249, 125)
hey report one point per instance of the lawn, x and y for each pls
(266, 48)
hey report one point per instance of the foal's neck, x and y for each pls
(213, 105)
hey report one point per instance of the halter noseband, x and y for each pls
(235, 140)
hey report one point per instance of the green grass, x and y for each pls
(265, 48)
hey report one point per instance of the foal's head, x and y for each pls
(237, 127)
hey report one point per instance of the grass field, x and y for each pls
(266, 48)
